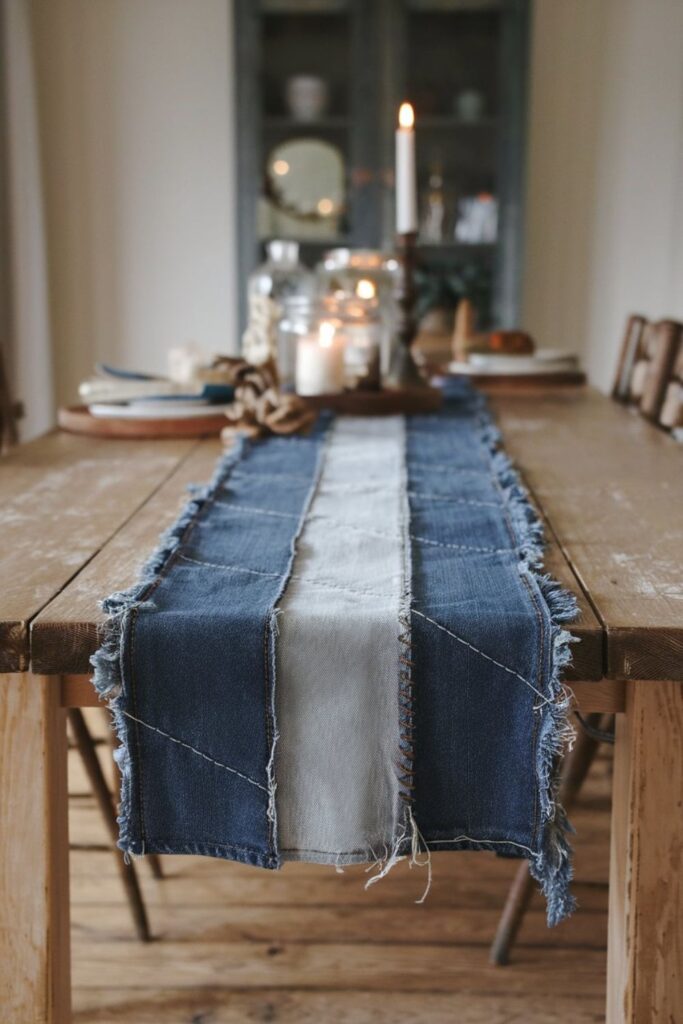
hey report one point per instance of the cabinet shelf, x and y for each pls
(282, 122)
(371, 55)
(450, 122)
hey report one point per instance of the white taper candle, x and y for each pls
(406, 172)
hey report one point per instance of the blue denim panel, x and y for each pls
(476, 781)
(196, 663)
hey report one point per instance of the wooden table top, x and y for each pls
(80, 515)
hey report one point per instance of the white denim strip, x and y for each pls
(338, 651)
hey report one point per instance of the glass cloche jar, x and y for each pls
(280, 277)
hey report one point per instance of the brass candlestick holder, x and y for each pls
(403, 372)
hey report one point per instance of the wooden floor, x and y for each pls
(309, 946)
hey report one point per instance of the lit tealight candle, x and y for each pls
(406, 175)
(320, 362)
(365, 289)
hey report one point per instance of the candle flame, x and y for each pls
(406, 115)
(326, 334)
(365, 289)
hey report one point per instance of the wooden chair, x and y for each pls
(83, 740)
(650, 370)
(10, 411)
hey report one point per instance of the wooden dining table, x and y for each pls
(79, 516)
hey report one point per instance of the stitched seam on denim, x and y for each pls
(194, 750)
(473, 839)
(271, 653)
(488, 657)
(406, 695)
(272, 476)
(231, 507)
(139, 786)
(371, 533)
(360, 852)
(292, 576)
(429, 842)
(269, 719)
(421, 540)
(454, 501)
(190, 843)
(450, 467)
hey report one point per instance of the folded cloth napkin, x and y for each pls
(346, 650)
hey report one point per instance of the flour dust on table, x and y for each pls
(346, 650)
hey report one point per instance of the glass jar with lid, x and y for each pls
(345, 322)
(367, 274)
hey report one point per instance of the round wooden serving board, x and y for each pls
(77, 419)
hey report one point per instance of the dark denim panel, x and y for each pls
(449, 529)
(211, 695)
(266, 491)
(479, 641)
(196, 664)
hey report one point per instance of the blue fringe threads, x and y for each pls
(551, 866)
(120, 606)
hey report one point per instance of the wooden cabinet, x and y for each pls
(462, 63)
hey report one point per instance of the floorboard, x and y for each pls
(235, 945)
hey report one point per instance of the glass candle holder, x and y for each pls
(346, 273)
(300, 316)
(320, 361)
(359, 324)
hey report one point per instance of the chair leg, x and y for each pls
(88, 753)
(154, 862)
(574, 770)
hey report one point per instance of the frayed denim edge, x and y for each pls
(119, 606)
(551, 865)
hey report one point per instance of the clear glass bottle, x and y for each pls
(281, 274)
(300, 315)
(280, 277)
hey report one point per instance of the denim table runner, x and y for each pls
(345, 650)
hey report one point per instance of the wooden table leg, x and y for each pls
(645, 943)
(34, 853)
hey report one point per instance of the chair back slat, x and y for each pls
(631, 352)
(650, 370)
(8, 410)
(663, 344)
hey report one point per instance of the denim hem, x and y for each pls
(326, 857)
(240, 854)
(501, 847)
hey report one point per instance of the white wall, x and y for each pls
(605, 184)
(26, 341)
(137, 133)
